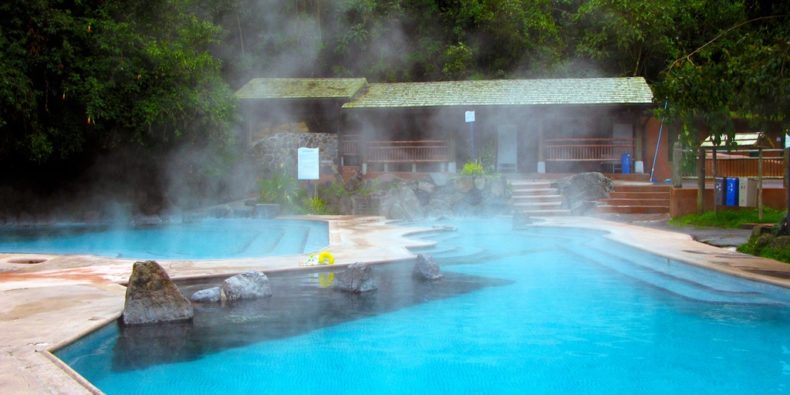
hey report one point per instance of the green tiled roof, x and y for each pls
(301, 88)
(506, 93)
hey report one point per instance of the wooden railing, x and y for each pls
(587, 149)
(744, 163)
(418, 151)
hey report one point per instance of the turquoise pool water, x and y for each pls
(535, 311)
(201, 239)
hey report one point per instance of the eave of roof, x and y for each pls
(301, 88)
(566, 91)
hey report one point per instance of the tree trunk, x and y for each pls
(700, 180)
(760, 184)
(715, 174)
(787, 182)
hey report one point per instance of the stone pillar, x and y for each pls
(677, 160)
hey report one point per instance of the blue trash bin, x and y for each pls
(731, 192)
(625, 163)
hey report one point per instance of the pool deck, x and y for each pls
(48, 304)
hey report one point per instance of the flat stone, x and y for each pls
(248, 285)
(210, 295)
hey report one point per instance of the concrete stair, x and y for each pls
(636, 199)
(536, 198)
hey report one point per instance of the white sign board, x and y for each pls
(307, 163)
(787, 140)
(469, 116)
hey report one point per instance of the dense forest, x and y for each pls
(136, 97)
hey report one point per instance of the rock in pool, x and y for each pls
(152, 297)
(248, 285)
(426, 268)
(357, 278)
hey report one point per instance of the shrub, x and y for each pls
(472, 169)
(280, 189)
(316, 205)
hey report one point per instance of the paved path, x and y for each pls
(45, 305)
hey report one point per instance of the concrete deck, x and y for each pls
(48, 304)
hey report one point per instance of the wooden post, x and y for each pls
(700, 180)
(715, 174)
(760, 184)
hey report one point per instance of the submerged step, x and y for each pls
(675, 277)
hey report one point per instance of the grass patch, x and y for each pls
(728, 218)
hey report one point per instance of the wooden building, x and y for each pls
(521, 126)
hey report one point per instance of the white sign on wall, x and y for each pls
(307, 163)
(787, 141)
(469, 116)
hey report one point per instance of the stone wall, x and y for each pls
(439, 194)
(278, 151)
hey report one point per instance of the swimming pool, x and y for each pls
(199, 239)
(541, 310)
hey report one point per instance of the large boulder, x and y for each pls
(248, 285)
(357, 278)
(580, 191)
(152, 297)
(210, 295)
(400, 203)
(426, 268)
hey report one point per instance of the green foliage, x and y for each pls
(92, 76)
(282, 189)
(472, 169)
(728, 218)
(769, 244)
(316, 205)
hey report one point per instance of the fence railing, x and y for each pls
(417, 151)
(734, 163)
(587, 149)
(398, 151)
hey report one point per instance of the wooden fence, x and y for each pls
(587, 149)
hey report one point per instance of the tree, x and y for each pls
(92, 76)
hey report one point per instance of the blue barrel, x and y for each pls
(625, 163)
(731, 191)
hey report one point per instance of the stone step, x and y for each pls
(642, 188)
(632, 209)
(530, 184)
(638, 195)
(535, 192)
(635, 202)
(537, 205)
(628, 177)
(545, 213)
(536, 198)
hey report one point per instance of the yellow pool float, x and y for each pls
(326, 258)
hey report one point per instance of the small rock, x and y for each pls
(223, 211)
(266, 210)
(210, 295)
(498, 187)
(464, 184)
(426, 187)
(426, 268)
(152, 297)
(439, 179)
(248, 285)
(480, 183)
(357, 278)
